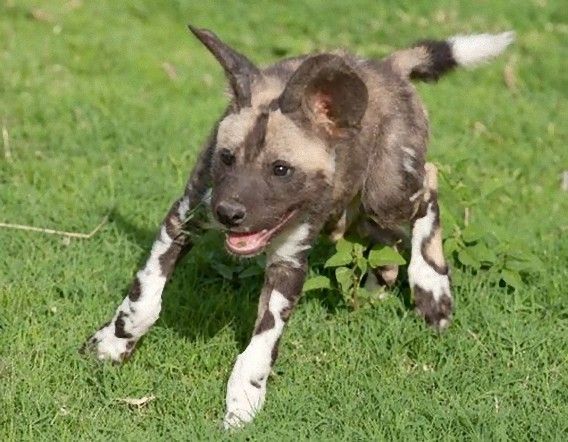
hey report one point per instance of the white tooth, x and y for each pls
(264, 231)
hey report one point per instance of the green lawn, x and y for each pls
(105, 104)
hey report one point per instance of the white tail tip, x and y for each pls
(471, 50)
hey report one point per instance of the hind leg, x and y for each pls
(428, 273)
(383, 276)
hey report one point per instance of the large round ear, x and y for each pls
(327, 93)
(239, 69)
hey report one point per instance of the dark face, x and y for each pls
(268, 175)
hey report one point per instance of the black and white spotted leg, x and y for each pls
(141, 307)
(139, 310)
(284, 278)
(428, 273)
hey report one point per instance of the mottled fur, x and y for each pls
(325, 142)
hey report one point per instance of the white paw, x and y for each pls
(246, 391)
(107, 346)
(242, 405)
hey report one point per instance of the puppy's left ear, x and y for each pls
(326, 93)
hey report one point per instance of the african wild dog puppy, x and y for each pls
(327, 142)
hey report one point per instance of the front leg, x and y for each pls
(284, 278)
(139, 310)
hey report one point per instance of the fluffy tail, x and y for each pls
(428, 60)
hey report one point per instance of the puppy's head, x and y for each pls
(273, 165)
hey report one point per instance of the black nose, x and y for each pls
(230, 213)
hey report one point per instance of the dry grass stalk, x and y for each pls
(56, 232)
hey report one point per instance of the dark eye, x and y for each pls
(280, 168)
(227, 157)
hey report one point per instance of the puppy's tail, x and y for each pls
(428, 60)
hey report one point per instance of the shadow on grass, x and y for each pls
(198, 302)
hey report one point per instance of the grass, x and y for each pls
(95, 123)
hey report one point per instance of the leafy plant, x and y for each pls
(477, 244)
(349, 265)
(491, 250)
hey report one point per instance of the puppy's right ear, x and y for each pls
(327, 93)
(239, 69)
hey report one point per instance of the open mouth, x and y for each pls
(252, 243)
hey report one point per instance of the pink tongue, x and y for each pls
(246, 242)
